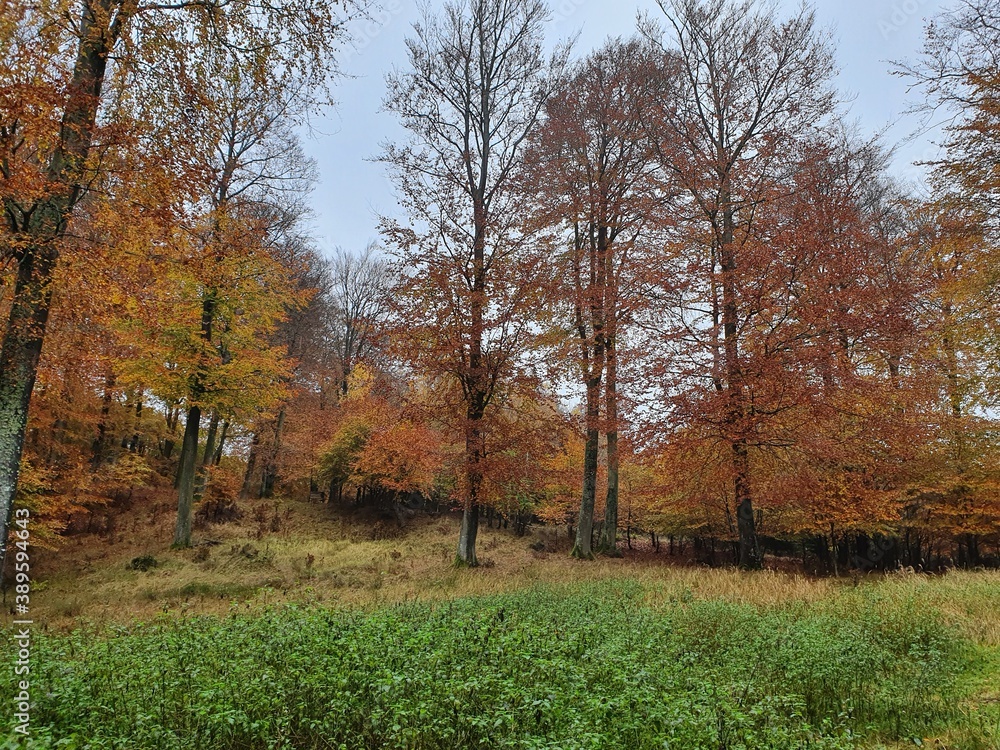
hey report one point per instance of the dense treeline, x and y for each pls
(662, 286)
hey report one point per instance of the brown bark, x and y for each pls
(590, 325)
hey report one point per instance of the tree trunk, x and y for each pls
(585, 520)
(213, 430)
(270, 473)
(476, 382)
(609, 529)
(37, 230)
(251, 466)
(206, 460)
(100, 441)
(745, 521)
(474, 477)
(467, 537)
(22, 346)
(217, 458)
(592, 349)
(186, 478)
(736, 408)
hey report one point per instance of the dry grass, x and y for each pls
(321, 553)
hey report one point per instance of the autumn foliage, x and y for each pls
(661, 289)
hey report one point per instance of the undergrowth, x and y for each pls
(582, 666)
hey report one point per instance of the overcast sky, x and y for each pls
(353, 190)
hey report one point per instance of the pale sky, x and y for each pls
(353, 190)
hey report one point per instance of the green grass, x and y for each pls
(594, 665)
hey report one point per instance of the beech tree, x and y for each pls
(382, 446)
(744, 88)
(958, 72)
(475, 90)
(300, 338)
(48, 129)
(591, 169)
(340, 328)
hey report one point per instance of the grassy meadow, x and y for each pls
(300, 628)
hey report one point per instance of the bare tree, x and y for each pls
(358, 306)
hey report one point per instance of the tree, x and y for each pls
(960, 76)
(301, 338)
(381, 445)
(232, 285)
(958, 236)
(359, 307)
(832, 354)
(49, 127)
(474, 92)
(745, 87)
(592, 169)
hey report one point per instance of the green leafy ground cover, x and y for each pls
(597, 665)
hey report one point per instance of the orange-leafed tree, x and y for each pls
(590, 169)
(744, 88)
(382, 446)
(55, 108)
(831, 354)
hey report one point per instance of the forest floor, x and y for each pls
(293, 551)
(881, 661)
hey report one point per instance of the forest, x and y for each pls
(664, 287)
(661, 301)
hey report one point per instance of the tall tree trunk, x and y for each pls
(745, 522)
(188, 465)
(585, 519)
(749, 557)
(206, 460)
(213, 430)
(270, 473)
(38, 231)
(100, 441)
(609, 529)
(477, 388)
(245, 490)
(590, 295)
(22, 346)
(217, 458)
(467, 537)
(474, 451)
(186, 475)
